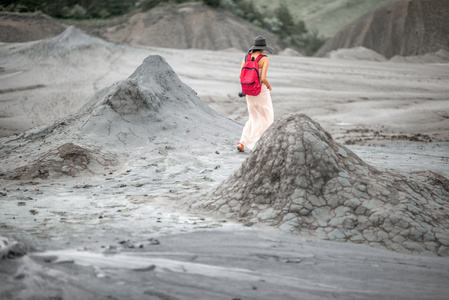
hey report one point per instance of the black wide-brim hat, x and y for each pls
(260, 43)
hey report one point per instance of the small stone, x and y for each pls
(415, 234)
(153, 241)
(358, 239)
(403, 224)
(361, 187)
(233, 203)
(350, 222)
(398, 239)
(413, 246)
(266, 214)
(336, 234)
(304, 212)
(321, 234)
(360, 210)
(65, 169)
(334, 201)
(429, 237)
(385, 192)
(224, 209)
(431, 246)
(316, 201)
(442, 238)
(344, 181)
(382, 235)
(334, 222)
(443, 251)
(353, 203)
(342, 152)
(395, 218)
(370, 236)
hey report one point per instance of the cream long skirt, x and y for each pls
(261, 116)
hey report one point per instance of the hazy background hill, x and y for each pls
(405, 28)
(108, 18)
(326, 16)
(188, 25)
(389, 27)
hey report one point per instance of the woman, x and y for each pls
(260, 108)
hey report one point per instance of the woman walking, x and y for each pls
(260, 108)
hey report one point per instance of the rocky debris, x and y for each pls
(189, 25)
(300, 180)
(10, 248)
(19, 28)
(405, 28)
(66, 160)
(361, 136)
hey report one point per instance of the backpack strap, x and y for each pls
(248, 57)
(259, 57)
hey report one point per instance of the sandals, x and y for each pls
(240, 147)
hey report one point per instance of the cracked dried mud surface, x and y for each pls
(300, 180)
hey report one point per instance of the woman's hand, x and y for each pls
(267, 83)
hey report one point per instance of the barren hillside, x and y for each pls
(17, 28)
(404, 28)
(191, 25)
(326, 16)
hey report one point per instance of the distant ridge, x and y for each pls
(19, 28)
(405, 28)
(326, 16)
(190, 25)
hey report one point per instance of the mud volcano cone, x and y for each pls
(299, 179)
(150, 112)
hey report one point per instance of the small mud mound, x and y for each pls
(357, 53)
(300, 180)
(19, 28)
(67, 42)
(405, 28)
(66, 160)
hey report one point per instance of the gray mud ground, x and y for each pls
(125, 230)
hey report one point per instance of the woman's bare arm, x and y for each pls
(265, 61)
(241, 67)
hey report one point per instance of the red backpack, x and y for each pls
(249, 78)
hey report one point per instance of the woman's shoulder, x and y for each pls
(264, 59)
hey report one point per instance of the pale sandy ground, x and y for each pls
(158, 249)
